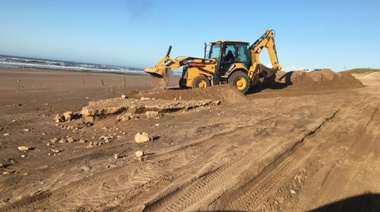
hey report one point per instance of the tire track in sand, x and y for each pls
(49, 199)
(216, 182)
(360, 153)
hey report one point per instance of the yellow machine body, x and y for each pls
(228, 61)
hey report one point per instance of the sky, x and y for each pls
(309, 34)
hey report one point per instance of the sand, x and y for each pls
(307, 142)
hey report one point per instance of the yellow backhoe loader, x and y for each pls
(228, 61)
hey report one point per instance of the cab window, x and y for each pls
(214, 51)
(243, 54)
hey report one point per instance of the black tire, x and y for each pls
(240, 80)
(201, 81)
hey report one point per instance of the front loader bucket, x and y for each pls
(161, 75)
(154, 72)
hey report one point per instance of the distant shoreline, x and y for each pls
(74, 71)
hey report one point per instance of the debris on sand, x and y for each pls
(142, 137)
(59, 118)
(86, 168)
(139, 154)
(67, 116)
(56, 150)
(126, 116)
(152, 114)
(225, 93)
(137, 106)
(24, 148)
(134, 108)
(99, 111)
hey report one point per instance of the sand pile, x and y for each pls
(372, 76)
(323, 77)
(226, 93)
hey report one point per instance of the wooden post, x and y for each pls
(124, 81)
(102, 81)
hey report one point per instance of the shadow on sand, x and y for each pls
(367, 202)
(271, 83)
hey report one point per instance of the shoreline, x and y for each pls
(83, 71)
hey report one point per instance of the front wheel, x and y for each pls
(240, 80)
(200, 82)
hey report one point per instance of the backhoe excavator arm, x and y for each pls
(267, 41)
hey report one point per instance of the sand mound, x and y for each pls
(226, 93)
(323, 77)
(372, 76)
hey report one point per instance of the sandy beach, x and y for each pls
(311, 143)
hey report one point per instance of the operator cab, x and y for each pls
(227, 53)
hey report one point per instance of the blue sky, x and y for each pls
(335, 34)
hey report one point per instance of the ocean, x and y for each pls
(24, 62)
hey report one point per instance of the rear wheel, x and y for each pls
(200, 82)
(240, 80)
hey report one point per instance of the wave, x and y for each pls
(21, 62)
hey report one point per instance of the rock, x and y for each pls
(71, 127)
(216, 103)
(116, 156)
(152, 114)
(107, 139)
(24, 148)
(56, 150)
(90, 111)
(62, 140)
(26, 130)
(6, 134)
(58, 118)
(142, 137)
(53, 140)
(82, 141)
(126, 117)
(70, 139)
(139, 154)
(69, 115)
(293, 191)
(123, 96)
(2, 166)
(89, 120)
(23, 156)
(86, 168)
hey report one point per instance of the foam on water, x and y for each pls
(22, 62)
